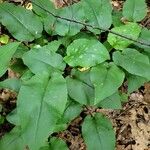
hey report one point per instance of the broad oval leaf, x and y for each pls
(38, 107)
(134, 10)
(6, 53)
(130, 30)
(86, 53)
(98, 13)
(111, 102)
(98, 133)
(43, 60)
(21, 23)
(134, 62)
(106, 81)
(135, 82)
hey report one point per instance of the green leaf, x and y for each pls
(117, 15)
(133, 61)
(12, 84)
(6, 52)
(57, 144)
(1, 107)
(98, 133)
(97, 13)
(144, 37)
(41, 102)
(13, 117)
(111, 102)
(43, 60)
(135, 82)
(80, 87)
(45, 147)
(20, 51)
(80, 91)
(106, 80)
(2, 119)
(12, 140)
(67, 28)
(46, 5)
(130, 30)
(73, 109)
(134, 10)
(124, 97)
(18, 66)
(27, 75)
(86, 53)
(53, 46)
(21, 23)
(62, 27)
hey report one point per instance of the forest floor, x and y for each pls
(132, 123)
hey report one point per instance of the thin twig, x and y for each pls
(88, 25)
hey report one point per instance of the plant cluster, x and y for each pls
(70, 58)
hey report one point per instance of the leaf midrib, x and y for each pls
(41, 106)
(20, 22)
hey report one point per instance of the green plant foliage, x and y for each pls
(80, 91)
(117, 15)
(111, 102)
(72, 110)
(144, 37)
(46, 94)
(57, 25)
(43, 60)
(86, 53)
(65, 28)
(80, 87)
(12, 140)
(69, 60)
(134, 10)
(20, 51)
(21, 23)
(98, 133)
(96, 12)
(1, 117)
(6, 52)
(134, 62)
(46, 5)
(134, 82)
(13, 118)
(106, 80)
(53, 46)
(12, 84)
(130, 30)
(56, 144)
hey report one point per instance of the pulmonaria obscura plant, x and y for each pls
(69, 59)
